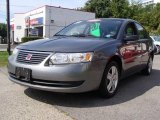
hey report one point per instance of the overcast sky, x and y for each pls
(20, 6)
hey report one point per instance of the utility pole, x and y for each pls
(28, 25)
(8, 27)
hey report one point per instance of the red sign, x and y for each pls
(36, 21)
(12, 27)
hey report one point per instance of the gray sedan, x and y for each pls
(84, 56)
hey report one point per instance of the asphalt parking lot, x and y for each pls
(138, 98)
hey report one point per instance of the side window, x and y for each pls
(141, 31)
(130, 30)
(95, 29)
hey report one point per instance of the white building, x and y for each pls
(44, 21)
(149, 2)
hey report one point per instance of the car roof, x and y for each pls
(121, 19)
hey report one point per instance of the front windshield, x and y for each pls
(157, 38)
(92, 28)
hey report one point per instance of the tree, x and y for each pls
(155, 18)
(108, 8)
(120, 8)
(148, 16)
(100, 7)
(3, 30)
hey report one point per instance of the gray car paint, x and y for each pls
(65, 44)
(92, 72)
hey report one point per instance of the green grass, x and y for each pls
(3, 59)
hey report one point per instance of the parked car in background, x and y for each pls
(156, 49)
(156, 40)
(84, 56)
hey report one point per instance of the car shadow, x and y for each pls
(130, 88)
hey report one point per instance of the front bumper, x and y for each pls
(69, 78)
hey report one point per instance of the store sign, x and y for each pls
(36, 21)
(34, 32)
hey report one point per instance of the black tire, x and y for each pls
(103, 89)
(148, 69)
(158, 49)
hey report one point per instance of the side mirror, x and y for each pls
(131, 38)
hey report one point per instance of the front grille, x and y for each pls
(36, 57)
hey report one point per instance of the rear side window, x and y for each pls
(141, 31)
(130, 30)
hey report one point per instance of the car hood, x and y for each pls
(65, 44)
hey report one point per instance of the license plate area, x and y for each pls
(23, 74)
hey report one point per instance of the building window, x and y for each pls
(18, 27)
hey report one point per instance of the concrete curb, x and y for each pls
(3, 47)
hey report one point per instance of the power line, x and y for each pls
(17, 5)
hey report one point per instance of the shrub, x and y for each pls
(158, 30)
(27, 39)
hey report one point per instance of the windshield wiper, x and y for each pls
(76, 35)
(82, 35)
(59, 35)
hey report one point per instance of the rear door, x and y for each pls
(146, 44)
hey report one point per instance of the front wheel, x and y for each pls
(110, 80)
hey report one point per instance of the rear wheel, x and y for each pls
(148, 69)
(110, 80)
(158, 49)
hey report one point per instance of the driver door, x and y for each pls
(131, 50)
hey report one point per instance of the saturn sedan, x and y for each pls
(84, 56)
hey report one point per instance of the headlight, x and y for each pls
(15, 51)
(64, 58)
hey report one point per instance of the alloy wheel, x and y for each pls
(112, 79)
(150, 64)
